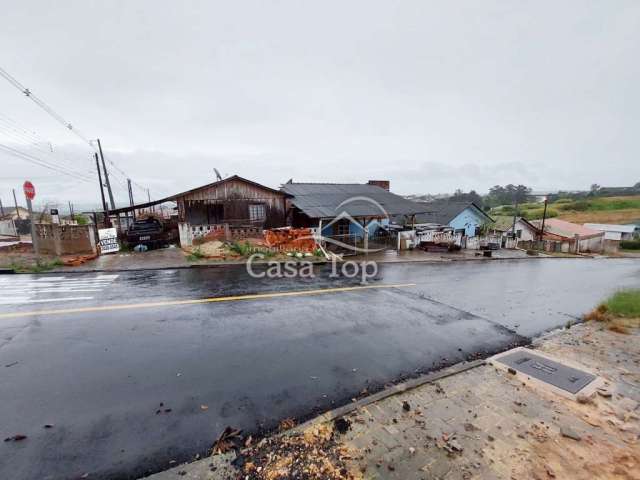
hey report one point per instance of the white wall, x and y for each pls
(7, 227)
(527, 232)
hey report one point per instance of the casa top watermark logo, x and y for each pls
(356, 241)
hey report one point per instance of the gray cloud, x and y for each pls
(433, 95)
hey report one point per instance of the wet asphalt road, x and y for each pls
(99, 376)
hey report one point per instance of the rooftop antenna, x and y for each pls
(218, 176)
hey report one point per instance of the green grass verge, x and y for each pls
(38, 267)
(533, 211)
(625, 303)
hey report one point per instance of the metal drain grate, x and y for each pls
(554, 373)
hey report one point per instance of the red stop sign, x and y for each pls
(29, 190)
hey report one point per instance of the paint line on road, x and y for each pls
(168, 303)
(23, 300)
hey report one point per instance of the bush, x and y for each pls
(530, 205)
(505, 210)
(196, 254)
(39, 266)
(630, 244)
(536, 214)
(577, 206)
(241, 248)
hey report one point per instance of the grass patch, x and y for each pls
(625, 303)
(536, 213)
(580, 210)
(620, 312)
(38, 267)
(195, 255)
(245, 249)
(599, 204)
(530, 211)
(241, 248)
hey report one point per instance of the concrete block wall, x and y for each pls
(65, 239)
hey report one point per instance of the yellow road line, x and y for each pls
(194, 301)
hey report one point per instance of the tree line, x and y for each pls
(498, 195)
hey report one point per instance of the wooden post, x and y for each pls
(104, 202)
(106, 177)
(34, 241)
(16, 203)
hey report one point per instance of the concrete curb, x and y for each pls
(200, 469)
(391, 391)
(385, 262)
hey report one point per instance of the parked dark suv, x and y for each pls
(148, 231)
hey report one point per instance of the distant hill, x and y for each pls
(591, 209)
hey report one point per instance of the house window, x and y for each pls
(519, 233)
(256, 212)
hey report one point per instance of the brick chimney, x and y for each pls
(380, 183)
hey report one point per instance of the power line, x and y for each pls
(59, 118)
(43, 163)
(14, 135)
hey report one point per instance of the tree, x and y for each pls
(507, 195)
(594, 188)
(472, 196)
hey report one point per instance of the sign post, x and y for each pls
(29, 194)
(108, 238)
(55, 216)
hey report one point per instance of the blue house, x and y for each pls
(464, 217)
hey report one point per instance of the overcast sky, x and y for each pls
(431, 95)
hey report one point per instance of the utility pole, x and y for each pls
(131, 197)
(106, 177)
(149, 199)
(16, 202)
(71, 211)
(1, 208)
(544, 217)
(515, 212)
(104, 202)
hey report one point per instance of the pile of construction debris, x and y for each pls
(313, 453)
(279, 241)
(291, 239)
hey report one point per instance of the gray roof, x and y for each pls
(444, 211)
(607, 227)
(328, 200)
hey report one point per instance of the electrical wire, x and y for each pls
(13, 81)
(60, 119)
(13, 133)
(43, 163)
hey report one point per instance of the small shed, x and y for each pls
(613, 232)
